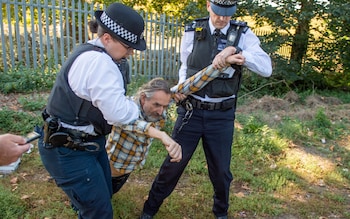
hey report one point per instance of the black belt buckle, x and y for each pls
(224, 105)
(204, 105)
(207, 105)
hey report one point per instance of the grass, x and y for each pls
(287, 162)
(10, 205)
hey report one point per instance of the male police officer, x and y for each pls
(207, 41)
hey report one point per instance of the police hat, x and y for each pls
(124, 23)
(223, 7)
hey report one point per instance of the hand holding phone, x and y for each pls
(32, 136)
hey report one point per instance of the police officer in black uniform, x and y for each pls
(209, 113)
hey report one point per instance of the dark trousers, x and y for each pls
(84, 176)
(215, 128)
(118, 182)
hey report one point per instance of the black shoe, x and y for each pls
(145, 216)
(221, 217)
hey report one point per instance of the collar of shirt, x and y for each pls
(96, 42)
(223, 30)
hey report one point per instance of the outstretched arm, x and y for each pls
(173, 148)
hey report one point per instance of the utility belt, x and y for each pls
(204, 105)
(57, 136)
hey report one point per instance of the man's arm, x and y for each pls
(145, 128)
(173, 148)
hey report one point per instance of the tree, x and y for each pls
(185, 10)
(316, 31)
(333, 52)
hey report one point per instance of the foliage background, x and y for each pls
(316, 31)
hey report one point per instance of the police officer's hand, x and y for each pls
(227, 57)
(237, 59)
(219, 60)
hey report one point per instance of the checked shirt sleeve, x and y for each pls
(138, 126)
(197, 81)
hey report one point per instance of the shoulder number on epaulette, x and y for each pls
(192, 26)
(239, 23)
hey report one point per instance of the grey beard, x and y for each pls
(152, 118)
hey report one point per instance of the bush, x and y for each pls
(22, 79)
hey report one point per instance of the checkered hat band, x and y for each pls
(117, 29)
(224, 3)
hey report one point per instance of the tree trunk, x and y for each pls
(301, 37)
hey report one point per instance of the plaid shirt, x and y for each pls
(197, 81)
(128, 145)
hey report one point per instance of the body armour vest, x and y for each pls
(66, 105)
(203, 53)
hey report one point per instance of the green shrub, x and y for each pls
(22, 80)
(18, 122)
(33, 103)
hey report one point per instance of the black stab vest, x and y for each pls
(65, 104)
(201, 57)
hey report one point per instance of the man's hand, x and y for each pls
(178, 97)
(173, 148)
(11, 148)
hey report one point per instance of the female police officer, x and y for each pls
(87, 98)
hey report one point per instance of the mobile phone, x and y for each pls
(32, 136)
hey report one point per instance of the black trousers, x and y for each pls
(118, 182)
(215, 128)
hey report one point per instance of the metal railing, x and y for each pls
(35, 33)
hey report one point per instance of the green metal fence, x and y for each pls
(35, 33)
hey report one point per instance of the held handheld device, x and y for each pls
(32, 136)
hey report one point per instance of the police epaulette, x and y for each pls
(242, 24)
(192, 26)
(202, 19)
(239, 23)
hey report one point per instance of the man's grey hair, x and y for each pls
(156, 84)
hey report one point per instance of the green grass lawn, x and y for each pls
(290, 159)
